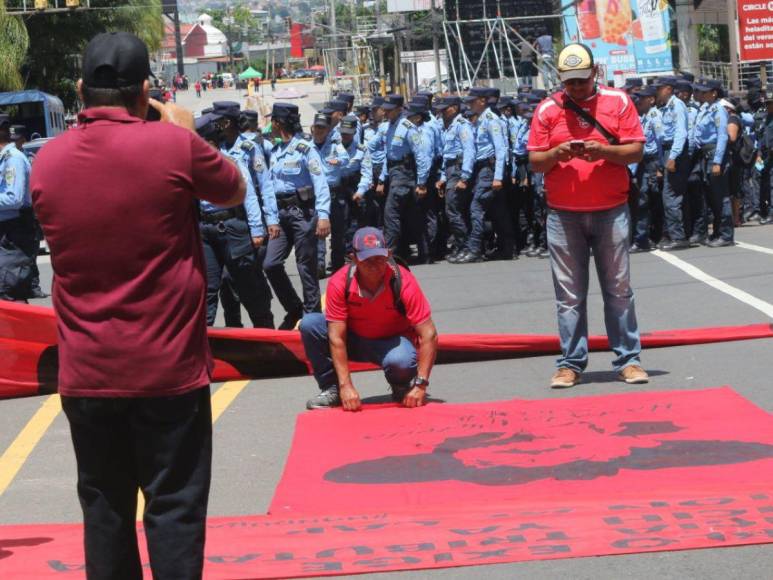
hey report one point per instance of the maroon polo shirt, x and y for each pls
(116, 200)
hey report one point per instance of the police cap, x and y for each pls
(228, 109)
(683, 86)
(347, 98)
(362, 110)
(633, 82)
(392, 102)
(493, 93)
(377, 101)
(335, 106)
(321, 120)
(284, 110)
(541, 94)
(250, 115)
(417, 108)
(348, 125)
(420, 99)
(445, 102)
(688, 76)
(428, 94)
(667, 81)
(648, 91)
(19, 132)
(208, 126)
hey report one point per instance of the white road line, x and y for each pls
(765, 307)
(755, 248)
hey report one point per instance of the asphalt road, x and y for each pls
(253, 435)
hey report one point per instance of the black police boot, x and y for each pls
(469, 258)
(697, 240)
(291, 319)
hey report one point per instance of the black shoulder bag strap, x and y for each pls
(574, 107)
(396, 285)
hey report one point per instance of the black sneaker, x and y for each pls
(291, 319)
(325, 399)
(399, 392)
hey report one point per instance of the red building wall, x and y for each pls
(195, 42)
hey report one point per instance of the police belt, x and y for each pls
(408, 162)
(292, 200)
(215, 217)
(650, 157)
(453, 161)
(340, 191)
(490, 162)
(522, 159)
(667, 145)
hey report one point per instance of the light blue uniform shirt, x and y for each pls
(692, 116)
(675, 125)
(459, 140)
(711, 129)
(377, 154)
(260, 140)
(490, 142)
(429, 139)
(401, 139)
(334, 159)
(297, 164)
(520, 137)
(356, 153)
(251, 205)
(14, 182)
(261, 176)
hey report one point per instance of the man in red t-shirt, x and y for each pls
(375, 312)
(583, 139)
(116, 198)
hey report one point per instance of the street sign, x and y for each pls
(412, 56)
(755, 30)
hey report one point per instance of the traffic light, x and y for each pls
(41, 4)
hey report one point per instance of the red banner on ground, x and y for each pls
(30, 359)
(458, 485)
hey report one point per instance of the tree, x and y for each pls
(53, 59)
(14, 41)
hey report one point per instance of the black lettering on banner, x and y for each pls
(343, 528)
(284, 556)
(528, 526)
(681, 516)
(385, 562)
(550, 549)
(759, 496)
(642, 543)
(457, 544)
(423, 547)
(443, 557)
(358, 550)
(474, 531)
(553, 536)
(708, 501)
(233, 559)
(636, 524)
(59, 566)
(494, 541)
(488, 555)
(321, 566)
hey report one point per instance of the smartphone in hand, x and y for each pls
(577, 146)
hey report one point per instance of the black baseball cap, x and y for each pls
(321, 120)
(115, 59)
(229, 109)
(348, 125)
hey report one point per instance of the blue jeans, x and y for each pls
(571, 236)
(396, 354)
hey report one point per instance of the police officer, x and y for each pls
(334, 160)
(377, 154)
(303, 197)
(424, 225)
(14, 197)
(336, 110)
(231, 236)
(766, 152)
(491, 151)
(249, 129)
(646, 172)
(711, 139)
(407, 169)
(456, 171)
(677, 162)
(354, 182)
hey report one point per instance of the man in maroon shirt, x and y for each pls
(117, 201)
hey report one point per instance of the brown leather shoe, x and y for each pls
(564, 378)
(634, 375)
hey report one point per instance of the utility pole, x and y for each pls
(436, 46)
(733, 38)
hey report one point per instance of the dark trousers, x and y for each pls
(485, 201)
(229, 245)
(457, 208)
(400, 208)
(716, 195)
(766, 185)
(298, 231)
(161, 445)
(647, 203)
(339, 225)
(674, 189)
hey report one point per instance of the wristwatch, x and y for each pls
(421, 382)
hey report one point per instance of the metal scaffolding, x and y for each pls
(502, 45)
(350, 69)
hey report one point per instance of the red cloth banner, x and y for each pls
(29, 360)
(755, 29)
(296, 40)
(458, 485)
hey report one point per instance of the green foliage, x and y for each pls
(245, 27)
(52, 62)
(713, 43)
(13, 46)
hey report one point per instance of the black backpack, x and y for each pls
(395, 284)
(746, 151)
(15, 271)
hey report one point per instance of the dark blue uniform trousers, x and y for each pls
(229, 245)
(647, 202)
(674, 189)
(298, 227)
(457, 207)
(162, 445)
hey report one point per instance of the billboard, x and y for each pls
(755, 30)
(627, 37)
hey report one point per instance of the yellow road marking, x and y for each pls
(221, 400)
(17, 453)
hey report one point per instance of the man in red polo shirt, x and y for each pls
(117, 201)
(582, 139)
(375, 312)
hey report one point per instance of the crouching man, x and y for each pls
(377, 313)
